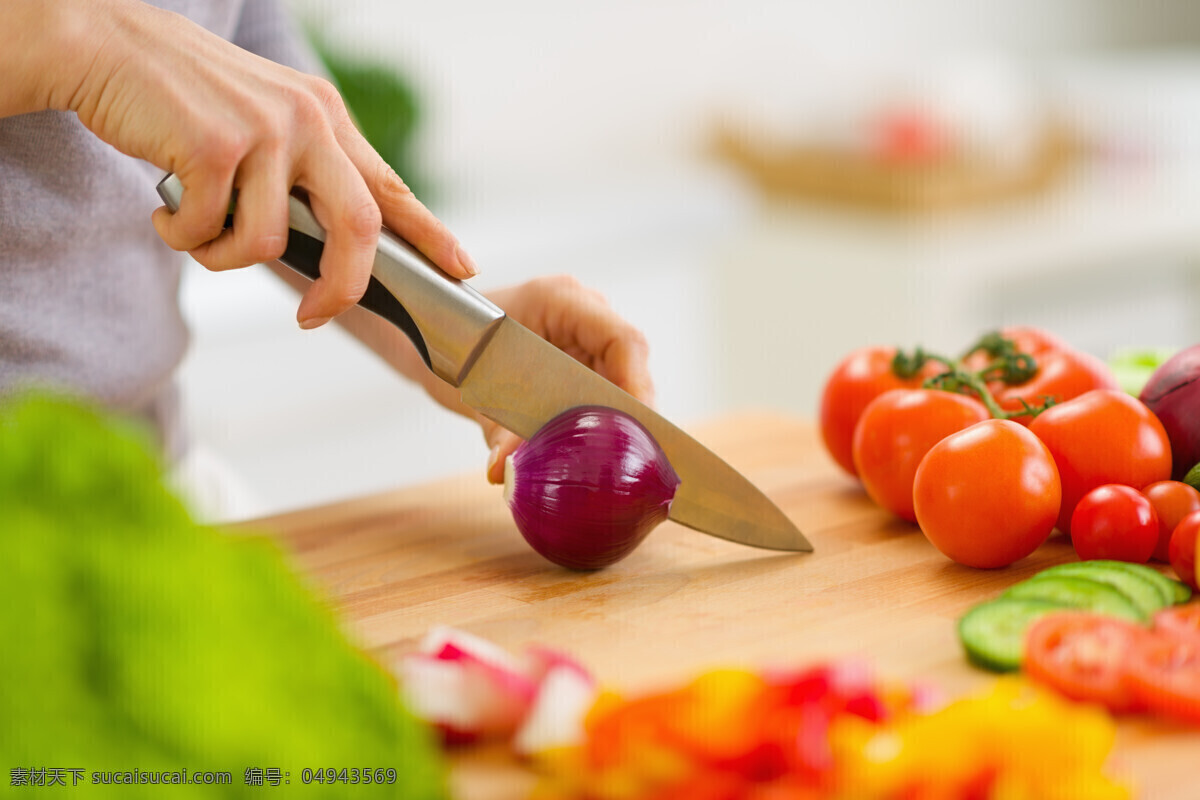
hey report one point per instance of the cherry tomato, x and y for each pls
(1179, 621)
(1102, 436)
(1182, 551)
(1116, 522)
(1172, 500)
(856, 381)
(988, 495)
(1164, 674)
(1083, 656)
(895, 432)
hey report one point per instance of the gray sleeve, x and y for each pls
(268, 29)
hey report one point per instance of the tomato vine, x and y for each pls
(1006, 363)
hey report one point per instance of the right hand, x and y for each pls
(158, 87)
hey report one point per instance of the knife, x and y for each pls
(519, 380)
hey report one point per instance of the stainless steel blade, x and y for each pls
(522, 381)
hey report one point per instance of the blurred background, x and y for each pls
(760, 186)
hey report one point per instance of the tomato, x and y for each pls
(1102, 436)
(1182, 551)
(856, 381)
(1172, 500)
(1027, 339)
(895, 432)
(1083, 656)
(1114, 521)
(988, 495)
(1063, 372)
(1179, 621)
(1164, 673)
(1062, 375)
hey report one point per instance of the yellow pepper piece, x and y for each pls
(716, 718)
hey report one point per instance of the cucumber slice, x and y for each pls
(993, 633)
(1172, 590)
(1147, 594)
(1079, 593)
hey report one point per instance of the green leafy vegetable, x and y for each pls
(136, 640)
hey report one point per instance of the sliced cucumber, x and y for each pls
(1147, 594)
(1172, 590)
(993, 633)
(1079, 593)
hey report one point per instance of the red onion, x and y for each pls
(588, 487)
(1173, 394)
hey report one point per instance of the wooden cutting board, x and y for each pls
(448, 553)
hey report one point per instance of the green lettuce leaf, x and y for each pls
(136, 640)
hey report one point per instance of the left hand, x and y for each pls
(581, 323)
(572, 317)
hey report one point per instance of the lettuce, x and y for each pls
(136, 641)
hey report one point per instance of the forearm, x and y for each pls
(45, 49)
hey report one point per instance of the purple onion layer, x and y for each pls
(1173, 394)
(589, 486)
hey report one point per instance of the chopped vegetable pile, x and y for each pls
(829, 731)
(137, 640)
(832, 732)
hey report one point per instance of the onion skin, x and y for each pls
(587, 488)
(1173, 394)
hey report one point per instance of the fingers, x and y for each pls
(626, 364)
(579, 319)
(303, 138)
(346, 210)
(402, 212)
(260, 220)
(581, 323)
(202, 211)
(502, 443)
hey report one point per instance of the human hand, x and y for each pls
(161, 88)
(580, 322)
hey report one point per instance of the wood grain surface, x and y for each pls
(448, 553)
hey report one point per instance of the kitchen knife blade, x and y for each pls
(519, 380)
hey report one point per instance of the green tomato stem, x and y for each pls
(1006, 364)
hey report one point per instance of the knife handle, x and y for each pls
(447, 321)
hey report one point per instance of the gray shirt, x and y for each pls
(88, 292)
